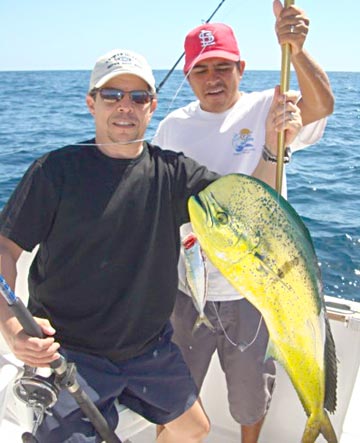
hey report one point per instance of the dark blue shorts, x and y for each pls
(156, 385)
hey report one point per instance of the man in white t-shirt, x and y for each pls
(232, 131)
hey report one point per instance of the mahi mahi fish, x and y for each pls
(196, 277)
(260, 244)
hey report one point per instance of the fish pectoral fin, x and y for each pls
(202, 320)
(274, 276)
(316, 425)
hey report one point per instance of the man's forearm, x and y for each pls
(317, 97)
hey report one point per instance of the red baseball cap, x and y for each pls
(210, 40)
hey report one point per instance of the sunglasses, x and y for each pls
(112, 95)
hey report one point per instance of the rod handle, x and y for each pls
(26, 320)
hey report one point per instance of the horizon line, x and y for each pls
(154, 69)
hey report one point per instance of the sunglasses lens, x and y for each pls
(116, 95)
(140, 97)
(111, 94)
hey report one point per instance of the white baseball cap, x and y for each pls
(121, 61)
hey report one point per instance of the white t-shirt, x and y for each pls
(227, 142)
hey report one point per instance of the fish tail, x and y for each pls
(327, 429)
(319, 425)
(202, 320)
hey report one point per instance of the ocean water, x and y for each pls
(44, 110)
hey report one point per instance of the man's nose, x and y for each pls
(212, 75)
(125, 103)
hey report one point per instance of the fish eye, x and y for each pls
(222, 218)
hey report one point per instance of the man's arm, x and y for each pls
(283, 115)
(317, 99)
(9, 254)
(32, 351)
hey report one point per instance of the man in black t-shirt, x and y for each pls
(106, 215)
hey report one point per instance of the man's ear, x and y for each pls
(90, 102)
(153, 105)
(242, 67)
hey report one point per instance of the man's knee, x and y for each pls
(197, 431)
(204, 430)
(201, 427)
(192, 425)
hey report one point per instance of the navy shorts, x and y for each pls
(156, 385)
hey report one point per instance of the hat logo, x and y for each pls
(120, 59)
(206, 38)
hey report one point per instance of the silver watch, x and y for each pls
(268, 156)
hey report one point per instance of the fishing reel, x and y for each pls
(38, 393)
(41, 394)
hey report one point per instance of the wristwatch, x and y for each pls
(268, 156)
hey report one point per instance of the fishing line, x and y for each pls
(110, 144)
(177, 92)
(241, 346)
(63, 144)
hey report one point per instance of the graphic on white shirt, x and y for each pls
(243, 141)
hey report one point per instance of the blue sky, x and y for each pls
(72, 34)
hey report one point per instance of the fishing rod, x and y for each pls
(182, 55)
(42, 395)
(284, 87)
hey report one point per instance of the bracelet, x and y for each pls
(268, 156)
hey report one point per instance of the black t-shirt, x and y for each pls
(106, 271)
